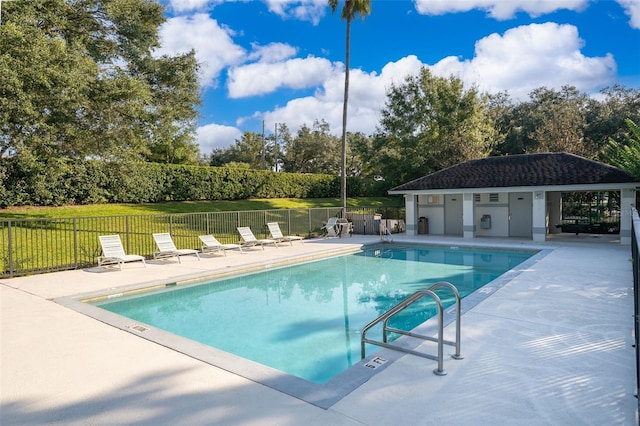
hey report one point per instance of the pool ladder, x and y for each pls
(384, 318)
(385, 233)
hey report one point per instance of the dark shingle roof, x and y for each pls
(520, 170)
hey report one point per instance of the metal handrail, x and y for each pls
(440, 371)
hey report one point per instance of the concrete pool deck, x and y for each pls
(551, 347)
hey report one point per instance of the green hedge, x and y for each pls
(65, 182)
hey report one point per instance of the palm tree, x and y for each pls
(350, 9)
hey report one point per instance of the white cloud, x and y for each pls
(214, 47)
(632, 8)
(527, 57)
(367, 94)
(522, 59)
(498, 9)
(273, 52)
(303, 10)
(261, 78)
(190, 5)
(214, 136)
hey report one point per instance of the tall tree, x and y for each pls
(313, 150)
(350, 10)
(556, 120)
(606, 118)
(79, 78)
(246, 150)
(502, 110)
(429, 123)
(564, 120)
(359, 155)
(626, 154)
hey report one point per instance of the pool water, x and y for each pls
(305, 319)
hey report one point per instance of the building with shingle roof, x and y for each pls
(509, 196)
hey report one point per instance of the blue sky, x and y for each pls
(282, 61)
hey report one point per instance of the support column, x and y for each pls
(539, 213)
(411, 208)
(554, 210)
(468, 216)
(627, 198)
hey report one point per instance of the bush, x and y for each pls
(56, 182)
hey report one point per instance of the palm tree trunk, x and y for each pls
(343, 177)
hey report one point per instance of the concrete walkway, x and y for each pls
(551, 347)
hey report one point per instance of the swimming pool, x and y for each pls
(305, 319)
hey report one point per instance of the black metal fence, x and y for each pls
(33, 246)
(635, 255)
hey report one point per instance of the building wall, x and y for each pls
(497, 206)
(545, 211)
(432, 207)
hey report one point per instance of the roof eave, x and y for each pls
(550, 188)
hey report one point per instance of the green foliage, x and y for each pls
(56, 182)
(352, 8)
(310, 150)
(606, 118)
(626, 154)
(246, 152)
(563, 120)
(551, 121)
(313, 150)
(429, 123)
(78, 79)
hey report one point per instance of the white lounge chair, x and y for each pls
(166, 248)
(331, 228)
(211, 243)
(250, 240)
(276, 234)
(113, 252)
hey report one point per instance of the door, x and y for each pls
(453, 214)
(520, 214)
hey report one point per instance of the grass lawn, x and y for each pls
(193, 207)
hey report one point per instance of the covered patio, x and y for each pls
(511, 196)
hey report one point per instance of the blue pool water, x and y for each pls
(305, 319)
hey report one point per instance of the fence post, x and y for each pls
(10, 245)
(75, 243)
(635, 259)
(127, 233)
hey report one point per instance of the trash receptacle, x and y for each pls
(423, 225)
(485, 221)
